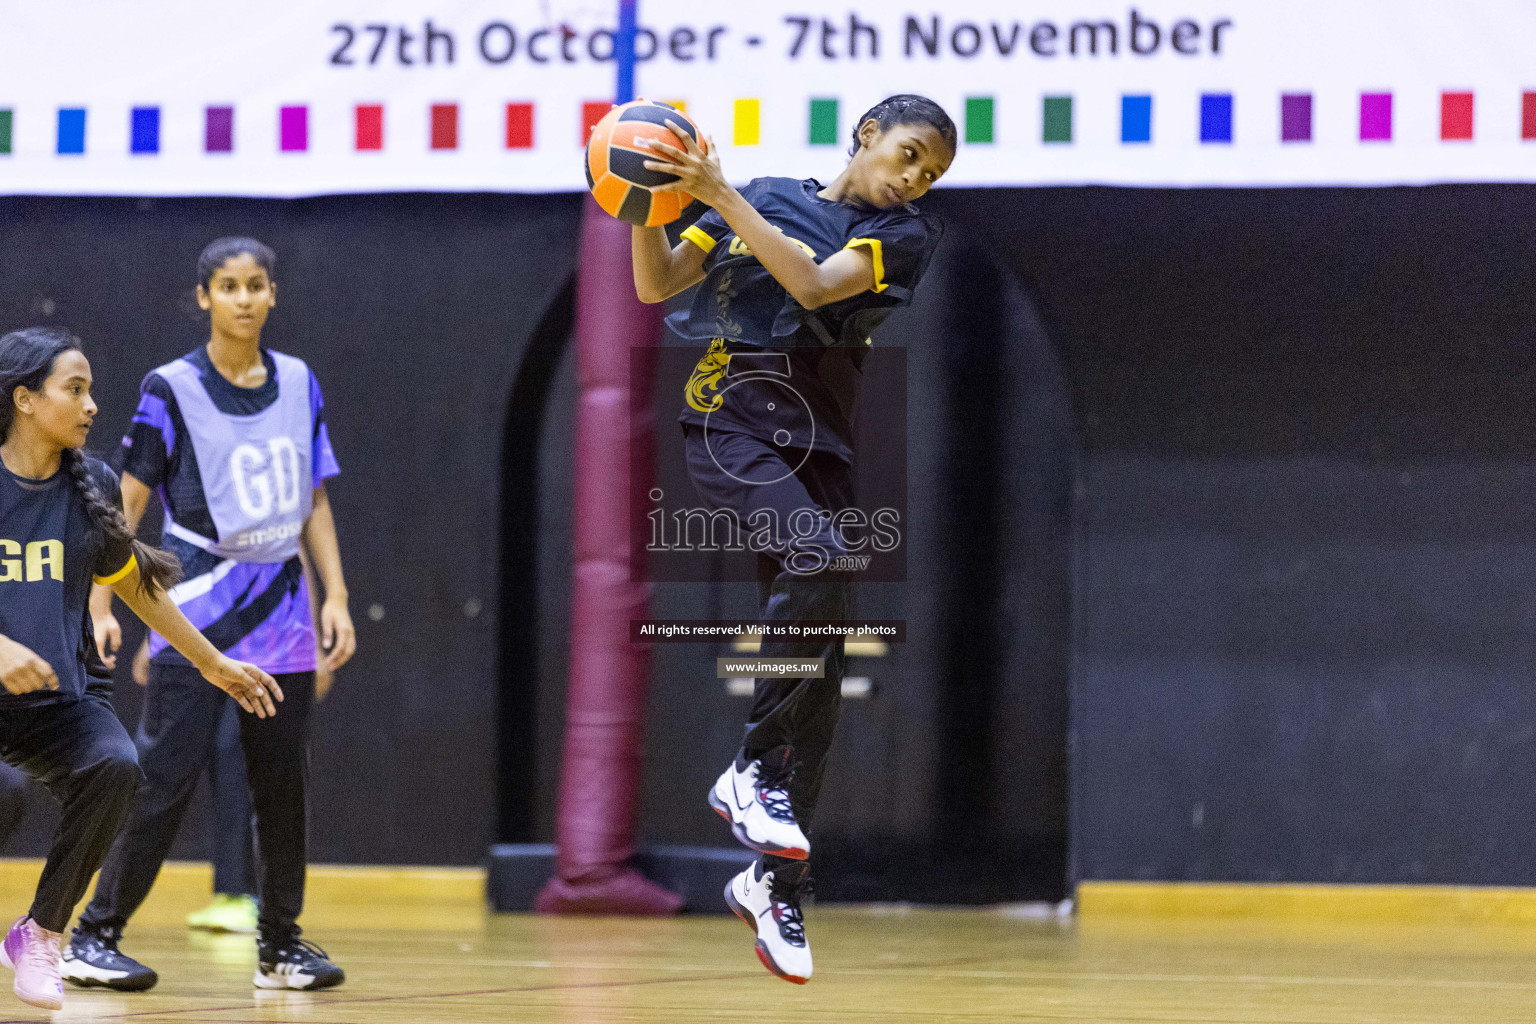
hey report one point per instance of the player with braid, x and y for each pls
(60, 529)
(795, 277)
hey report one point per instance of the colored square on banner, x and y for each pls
(978, 119)
(1375, 117)
(219, 130)
(591, 113)
(71, 130)
(1528, 115)
(1216, 117)
(1056, 119)
(1136, 119)
(748, 123)
(144, 130)
(370, 126)
(1455, 116)
(681, 105)
(293, 129)
(519, 125)
(823, 122)
(1296, 117)
(5, 132)
(445, 126)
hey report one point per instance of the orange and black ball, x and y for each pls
(616, 171)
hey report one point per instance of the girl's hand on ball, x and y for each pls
(698, 173)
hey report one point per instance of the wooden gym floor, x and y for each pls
(418, 948)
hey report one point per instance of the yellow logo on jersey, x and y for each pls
(740, 248)
(40, 554)
(706, 376)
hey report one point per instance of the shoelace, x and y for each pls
(39, 952)
(785, 896)
(92, 941)
(773, 791)
(295, 950)
(791, 924)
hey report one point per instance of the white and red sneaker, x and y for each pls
(32, 951)
(769, 902)
(754, 798)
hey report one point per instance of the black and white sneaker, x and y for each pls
(754, 797)
(769, 902)
(295, 963)
(92, 959)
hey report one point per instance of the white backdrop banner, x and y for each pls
(287, 98)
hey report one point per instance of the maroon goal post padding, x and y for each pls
(598, 808)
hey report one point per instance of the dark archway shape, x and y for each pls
(517, 660)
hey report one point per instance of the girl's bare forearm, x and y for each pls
(652, 259)
(160, 614)
(320, 535)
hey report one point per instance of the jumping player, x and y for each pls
(233, 437)
(796, 275)
(61, 527)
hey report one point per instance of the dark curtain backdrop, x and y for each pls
(1223, 493)
(1305, 584)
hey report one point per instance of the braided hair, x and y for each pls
(26, 360)
(907, 108)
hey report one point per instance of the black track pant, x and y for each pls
(234, 873)
(13, 802)
(176, 741)
(747, 475)
(82, 754)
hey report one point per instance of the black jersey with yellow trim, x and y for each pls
(740, 308)
(50, 554)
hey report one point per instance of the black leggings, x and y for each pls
(746, 474)
(176, 741)
(82, 754)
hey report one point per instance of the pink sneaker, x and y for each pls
(32, 951)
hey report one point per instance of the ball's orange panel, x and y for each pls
(597, 161)
(665, 209)
(606, 122)
(597, 148)
(610, 192)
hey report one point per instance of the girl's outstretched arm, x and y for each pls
(840, 276)
(252, 688)
(661, 271)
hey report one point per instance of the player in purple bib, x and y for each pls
(232, 437)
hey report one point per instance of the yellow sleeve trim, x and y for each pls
(875, 254)
(699, 238)
(107, 581)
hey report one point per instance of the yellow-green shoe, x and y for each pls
(226, 914)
